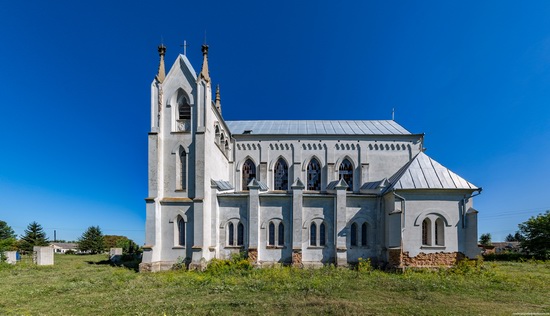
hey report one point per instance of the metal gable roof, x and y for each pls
(422, 172)
(289, 127)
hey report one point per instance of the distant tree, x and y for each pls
(92, 240)
(485, 239)
(7, 239)
(112, 240)
(128, 246)
(536, 235)
(515, 237)
(34, 236)
(6, 231)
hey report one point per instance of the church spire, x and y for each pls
(204, 72)
(160, 73)
(218, 99)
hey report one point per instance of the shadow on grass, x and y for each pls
(128, 264)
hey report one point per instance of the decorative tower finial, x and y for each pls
(218, 99)
(161, 73)
(204, 72)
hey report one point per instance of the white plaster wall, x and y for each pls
(275, 207)
(314, 208)
(231, 207)
(361, 210)
(422, 204)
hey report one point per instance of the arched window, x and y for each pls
(249, 173)
(240, 234)
(181, 231)
(281, 237)
(314, 175)
(364, 234)
(217, 134)
(276, 234)
(322, 234)
(345, 171)
(426, 232)
(281, 175)
(313, 234)
(439, 232)
(183, 169)
(231, 233)
(271, 238)
(353, 234)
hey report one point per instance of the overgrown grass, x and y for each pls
(78, 285)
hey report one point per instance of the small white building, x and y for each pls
(305, 193)
(63, 247)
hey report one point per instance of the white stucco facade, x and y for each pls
(306, 193)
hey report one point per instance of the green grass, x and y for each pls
(84, 285)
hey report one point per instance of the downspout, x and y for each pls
(402, 222)
(463, 205)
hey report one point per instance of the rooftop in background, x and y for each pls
(287, 127)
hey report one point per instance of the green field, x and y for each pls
(87, 285)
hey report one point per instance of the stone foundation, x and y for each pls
(253, 256)
(297, 259)
(156, 266)
(394, 257)
(440, 259)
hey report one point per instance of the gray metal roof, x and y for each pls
(381, 127)
(222, 185)
(425, 173)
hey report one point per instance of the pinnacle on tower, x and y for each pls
(161, 73)
(204, 72)
(218, 99)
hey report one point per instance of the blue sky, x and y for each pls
(75, 84)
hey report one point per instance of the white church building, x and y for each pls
(303, 193)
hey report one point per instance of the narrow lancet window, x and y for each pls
(353, 234)
(240, 234)
(231, 238)
(281, 236)
(313, 235)
(181, 231)
(271, 241)
(364, 234)
(322, 234)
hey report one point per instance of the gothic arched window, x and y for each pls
(271, 238)
(281, 237)
(345, 171)
(181, 231)
(249, 173)
(353, 233)
(364, 234)
(281, 175)
(313, 234)
(322, 234)
(426, 232)
(181, 169)
(439, 232)
(231, 233)
(314, 175)
(240, 234)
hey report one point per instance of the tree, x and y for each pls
(485, 239)
(34, 236)
(515, 237)
(92, 241)
(536, 235)
(7, 239)
(128, 246)
(6, 231)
